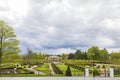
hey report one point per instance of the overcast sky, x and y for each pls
(57, 26)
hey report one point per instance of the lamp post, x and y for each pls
(93, 64)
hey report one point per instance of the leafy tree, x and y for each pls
(71, 56)
(68, 72)
(29, 56)
(94, 53)
(8, 42)
(64, 56)
(78, 54)
(104, 55)
(14, 58)
(32, 57)
(84, 56)
(114, 57)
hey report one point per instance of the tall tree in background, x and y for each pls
(114, 57)
(64, 56)
(71, 56)
(84, 55)
(104, 55)
(78, 54)
(94, 53)
(8, 42)
(29, 56)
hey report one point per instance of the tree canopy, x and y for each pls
(8, 42)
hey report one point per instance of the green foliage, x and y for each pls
(78, 54)
(14, 58)
(74, 65)
(64, 56)
(8, 42)
(71, 56)
(68, 72)
(114, 57)
(56, 69)
(97, 72)
(104, 55)
(94, 53)
(32, 57)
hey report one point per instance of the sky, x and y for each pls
(63, 26)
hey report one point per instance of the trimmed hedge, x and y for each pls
(68, 72)
(56, 69)
(75, 66)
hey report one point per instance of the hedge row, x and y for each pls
(75, 66)
(56, 69)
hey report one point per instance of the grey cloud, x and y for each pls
(70, 27)
(71, 24)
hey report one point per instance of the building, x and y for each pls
(53, 59)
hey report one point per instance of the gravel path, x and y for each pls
(51, 69)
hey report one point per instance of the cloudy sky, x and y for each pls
(57, 26)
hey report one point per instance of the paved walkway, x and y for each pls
(51, 69)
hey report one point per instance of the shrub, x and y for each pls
(96, 72)
(56, 69)
(68, 72)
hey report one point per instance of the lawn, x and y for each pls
(43, 68)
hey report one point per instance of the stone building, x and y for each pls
(54, 59)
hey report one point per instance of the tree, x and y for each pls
(68, 72)
(71, 56)
(94, 53)
(29, 56)
(85, 55)
(114, 57)
(14, 58)
(64, 56)
(8, 42)
(104, 55)
(78, 54)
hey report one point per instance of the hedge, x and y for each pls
(56, 69)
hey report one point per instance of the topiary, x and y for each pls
(68, 72)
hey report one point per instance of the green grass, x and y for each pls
(43, 68)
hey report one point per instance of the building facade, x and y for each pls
(53, 59)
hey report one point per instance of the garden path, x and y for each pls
(35, 71)
(51, 69)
